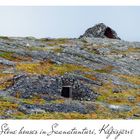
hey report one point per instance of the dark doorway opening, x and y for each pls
(66, 91)
(108, 33)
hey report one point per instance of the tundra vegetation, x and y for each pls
(104, 75)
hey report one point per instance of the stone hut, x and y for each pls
(67, 86)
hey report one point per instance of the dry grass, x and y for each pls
(120, 98)
(48, 68)
(57, 115)
(90, 76)
(13, 57)
(34, 100)
(106, 69)
(131, 50)
(5, 80)
(55, 42)
(131, 79)
(6, 105)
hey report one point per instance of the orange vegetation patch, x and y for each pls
(5, 77)
(1, 66)
(5, 80)
(89, 76)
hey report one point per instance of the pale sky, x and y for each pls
(69, 21)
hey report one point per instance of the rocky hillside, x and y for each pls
(94, 77)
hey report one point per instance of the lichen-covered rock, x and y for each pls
(100, 31)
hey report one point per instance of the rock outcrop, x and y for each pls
(100, 31)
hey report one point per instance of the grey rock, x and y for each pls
(9, 111)
(119, 108)
(100, 31)
(136, 115)
(6, 62)
(138, 104)
(103, 51)
(131, 99)
(116, 90)
(65, 108)
(31, 109)
(4, 117)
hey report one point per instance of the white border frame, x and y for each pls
(70, 2)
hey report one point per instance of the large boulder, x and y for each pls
(100, 31)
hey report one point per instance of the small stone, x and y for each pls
(119, 108)
(136, 115)
(116, 90)
(138, 104)
(31, 109)
(104, 51)
(131, 99)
